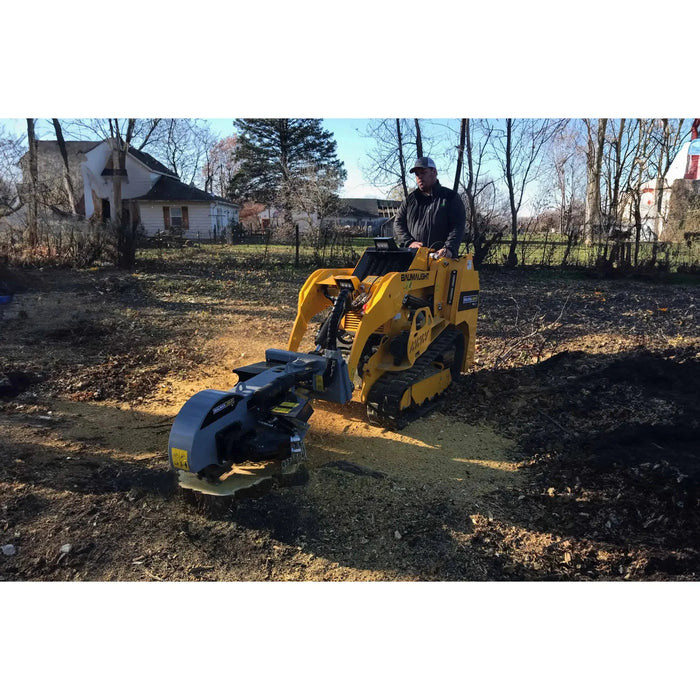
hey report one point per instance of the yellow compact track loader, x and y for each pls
(399, 327)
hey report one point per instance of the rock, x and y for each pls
(397, 535)
(9, 550)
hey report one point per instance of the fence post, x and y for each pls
(296, 241)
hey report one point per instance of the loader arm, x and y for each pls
(312, 301)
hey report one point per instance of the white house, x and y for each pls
(152, 195)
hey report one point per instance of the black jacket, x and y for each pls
(429, 219)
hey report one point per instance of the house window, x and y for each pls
(176, 217)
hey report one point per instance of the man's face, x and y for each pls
(425, 178)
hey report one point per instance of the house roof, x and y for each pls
(169, 190)
(150, 162)
(145, 159)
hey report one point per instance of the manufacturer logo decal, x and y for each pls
(414, 276)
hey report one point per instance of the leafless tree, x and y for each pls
(68, 181)
(144, 130)
(396, 144)
(623, 148)
(120, 139)
(315, 194)
(460, 153)
(655, 143)
(639, 173)
(479, 190)
(667, 137)
(565, 180)
(419, 140)
(11, 149)
(595, 130)
(220, 166)
(183, 145)
(623, 155)
(518, 147)
(401, 159)
(32, 204)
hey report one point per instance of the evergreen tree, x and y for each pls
(276, 157)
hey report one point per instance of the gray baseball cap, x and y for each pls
(423, 163)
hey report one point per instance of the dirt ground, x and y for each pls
(569, 452)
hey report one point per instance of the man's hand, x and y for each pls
(444, 253)
(416, 244)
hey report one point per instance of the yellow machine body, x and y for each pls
(412, 327)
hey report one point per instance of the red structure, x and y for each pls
(691, 170)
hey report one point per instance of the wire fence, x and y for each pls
(604, 254)
(79, 244)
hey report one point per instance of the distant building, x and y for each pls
(153, 197)
(372, 215)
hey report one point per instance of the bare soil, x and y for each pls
(569, 452)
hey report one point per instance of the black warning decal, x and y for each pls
(220, 409)
(451, 290)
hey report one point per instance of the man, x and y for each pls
(431, 214)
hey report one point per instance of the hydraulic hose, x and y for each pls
(327, 336)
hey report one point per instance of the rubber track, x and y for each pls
(383, 402)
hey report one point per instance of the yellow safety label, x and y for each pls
(318, 382)
(179, 458)
(285, 407)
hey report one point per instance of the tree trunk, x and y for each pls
(126, 243)
(116, 210)
(512, 257)
(68, 182)
(472, 224)
(662, 169)
(32, 206)
(460, 154)
(594, 164)
(476, 233)
(419, 140)
(613, 215)
(401, 160)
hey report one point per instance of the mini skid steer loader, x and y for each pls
(399, 327)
